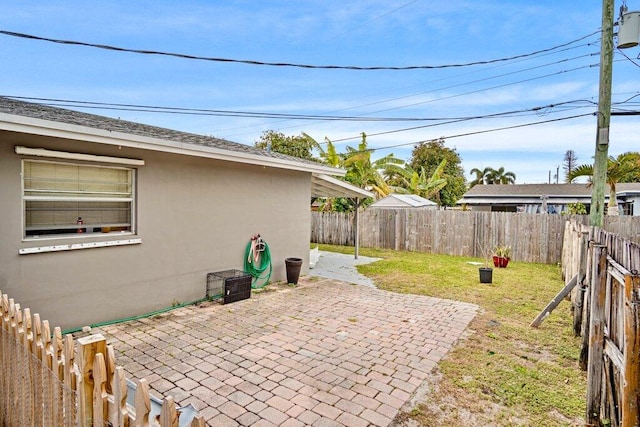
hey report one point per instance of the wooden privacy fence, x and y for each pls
(50, 380)
(532, 237)
(604, 266)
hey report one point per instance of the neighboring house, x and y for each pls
(104, 219)
(408, 201)
(550, 198)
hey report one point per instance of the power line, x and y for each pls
(468, 83)
(284, 64)
(486, 79)
(630, 60)
(374, 19)
(226, 113)
(537, 110)
(460, 135)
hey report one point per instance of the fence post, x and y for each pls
(630, 392)
(596, 335)
(88, 347)
(586, 307)
(582, 271)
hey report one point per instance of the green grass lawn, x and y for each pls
(504, 373)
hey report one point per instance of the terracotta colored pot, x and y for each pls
(503, 261)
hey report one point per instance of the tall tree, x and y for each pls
(364, 172)
(414, 182)
(429, 155)
(618, 169)
(570, 162)
(633, 174)
(329, 156)
(300, 146)
(500, 176)
(480, 176)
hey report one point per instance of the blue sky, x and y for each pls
(385, 33)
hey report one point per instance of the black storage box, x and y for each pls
(233, 285)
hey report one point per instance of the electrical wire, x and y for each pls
(225, 113)
(485, 89)
(537, 110)
(373, 19)
(630, 60)
(460, 135)
(479, 80)
(440, 88)
(197, 111)
(287, 64)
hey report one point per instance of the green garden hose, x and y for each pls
(140, 316)
(260, 267)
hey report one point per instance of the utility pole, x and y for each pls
(604, 115)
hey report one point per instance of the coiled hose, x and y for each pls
(258, 263)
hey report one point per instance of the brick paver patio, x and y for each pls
(324, 353)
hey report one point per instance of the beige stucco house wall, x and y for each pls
(194, 214)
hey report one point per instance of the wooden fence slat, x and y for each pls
(555, 301)
(578, 307)
(142, 403)
(99, 374)
(596, 337)
(69, 379)
(119, 414)
(198, 421)
(630, 386)
(168, 413)
(88, 347)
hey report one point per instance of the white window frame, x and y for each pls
(131, 199)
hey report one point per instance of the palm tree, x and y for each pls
(481, 176)
(363, 172)
(499, 176)
(329, 156)
(617, 169)
(417, 183)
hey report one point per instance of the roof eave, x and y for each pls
(327, 186)
(16, 123)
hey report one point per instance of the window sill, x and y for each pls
(76, 246)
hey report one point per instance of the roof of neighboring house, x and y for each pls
(519, 193)
(628, 188)
(29, 117)
(528, 190)
(403, 200)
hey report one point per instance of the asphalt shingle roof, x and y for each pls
(506, 190)
(528, 190)
(62, 115)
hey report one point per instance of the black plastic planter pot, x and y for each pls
(293, 266)
(486, 274)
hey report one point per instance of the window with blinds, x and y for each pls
(66, 198)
